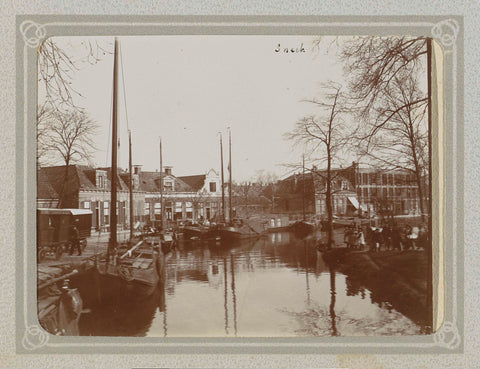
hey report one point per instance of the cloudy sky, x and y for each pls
(187, 89)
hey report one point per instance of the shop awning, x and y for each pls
(354, 202)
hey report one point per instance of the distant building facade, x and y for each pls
(192, 198)
(355, 190)
(83, 187)
(395, 190)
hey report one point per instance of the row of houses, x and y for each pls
(355, 191)
(84, 187)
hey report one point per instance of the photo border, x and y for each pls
(448, 30)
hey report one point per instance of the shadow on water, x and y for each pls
(122, 313)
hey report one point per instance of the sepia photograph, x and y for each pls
(235, 186)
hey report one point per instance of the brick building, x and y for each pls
(83, 187)
(355, 190)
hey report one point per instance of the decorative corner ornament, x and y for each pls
(448, 336)
(446, 32)
(34, 337)
(32, 33)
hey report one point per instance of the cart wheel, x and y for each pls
(41, 255)
(58, 252)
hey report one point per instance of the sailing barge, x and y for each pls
(133, 270)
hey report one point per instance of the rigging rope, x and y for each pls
(123, 81)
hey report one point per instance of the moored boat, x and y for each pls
(59, 309)
(302, 228)
(237, 230)
(136, 271)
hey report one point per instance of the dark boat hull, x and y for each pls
(233, 234)
(202, 233)
(135, 279)
(302, 228)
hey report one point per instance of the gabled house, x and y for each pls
(193, 197)
(307, 192)
(344, 197)
(84, 187)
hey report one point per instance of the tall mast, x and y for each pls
(303, 180)
(230, 209)
(223, 181)
(161, 185)
(130, 180)
(113, 189)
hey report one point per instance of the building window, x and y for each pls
(344, 185)
(168, 185)
(158, 208)
(178, 211)
(147, 208)
(101, 179)
(86, 204)
(189, 209)
(213, 187)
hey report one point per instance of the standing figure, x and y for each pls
(361, 239)
(377, 239)
(354, 239)
(75, 238)
(396, 239)
(347, 237)
(386, 234)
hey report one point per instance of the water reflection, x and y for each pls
(274, 286)
(225, 305)
(333, 292)
(234, 296)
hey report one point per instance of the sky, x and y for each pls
(187, 89)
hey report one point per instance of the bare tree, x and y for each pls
(385, 84)
(403, 142)
(243, 192)
(266, 181)
(326, 134)
(56, 66)
(372, 64)
(45, 115)
(69, 138)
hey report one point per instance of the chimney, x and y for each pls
(168, 171)
(137, 169)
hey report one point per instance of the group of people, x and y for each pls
(354, 237)
(388, 237)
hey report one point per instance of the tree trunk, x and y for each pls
(328, 201)
(418, 179)
(64, 191)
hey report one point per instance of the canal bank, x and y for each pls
(396, 279)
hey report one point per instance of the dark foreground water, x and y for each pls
(275, 286)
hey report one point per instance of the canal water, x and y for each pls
(277, 286)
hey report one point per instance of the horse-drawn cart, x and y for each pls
(54, 230)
